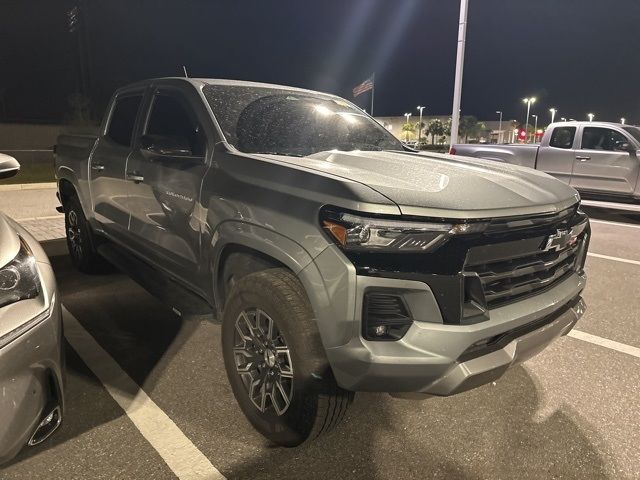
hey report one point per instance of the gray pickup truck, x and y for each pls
(599, 159)
(336, 260)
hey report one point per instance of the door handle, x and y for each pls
(134, 177)
(97, 167)
(582, 158)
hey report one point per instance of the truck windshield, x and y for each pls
(289, 122)
(634, 131)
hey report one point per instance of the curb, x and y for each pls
(27, 186)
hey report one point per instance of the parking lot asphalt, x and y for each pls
(571, 412)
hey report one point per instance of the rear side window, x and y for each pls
(170, 117)
(594, 138)
(123, 119)
(562, 137)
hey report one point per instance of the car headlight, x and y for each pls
(19, 279)
(355, 232)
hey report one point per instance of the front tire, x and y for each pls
(275, 361)
(81, 242)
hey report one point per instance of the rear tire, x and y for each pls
(269, 336)
(81, 242)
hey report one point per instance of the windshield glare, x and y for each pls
(288, 122)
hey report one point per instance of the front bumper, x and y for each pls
(440, 359)
(31, 364)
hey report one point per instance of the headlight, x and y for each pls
(354, 232)
(19, 279)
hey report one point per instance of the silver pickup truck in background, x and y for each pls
(599, 159)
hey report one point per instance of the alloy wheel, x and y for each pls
(73, 234)
(263, 361)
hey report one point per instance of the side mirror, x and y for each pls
(162, 145)
(625, 147)
(9, 166)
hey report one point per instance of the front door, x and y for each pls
(165, 172)
(603, 162)
(109, 189)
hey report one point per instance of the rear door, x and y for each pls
(603, 162)
(164, 173)
(556, 156)
(109, 189)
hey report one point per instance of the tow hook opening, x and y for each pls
(47, 426)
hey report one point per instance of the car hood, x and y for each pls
(445, 186)
(9, 241)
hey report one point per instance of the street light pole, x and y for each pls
(535, 128)
(499, 126)
(408, 115)
(528, 101)
(622, 120)
(420, 124)
(457, 87)
(590, 115)
(553, 113)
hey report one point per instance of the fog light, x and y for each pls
(381, 330)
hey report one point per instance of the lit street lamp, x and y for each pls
(553, 113)
(528, 101)
(590, 115)
(535, 127)
(419, 123)
(408, 115)
(622, 120)
(563, 119)
(499, 112)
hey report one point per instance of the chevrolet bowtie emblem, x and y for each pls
(558, 241)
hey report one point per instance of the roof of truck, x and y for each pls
(199, 82)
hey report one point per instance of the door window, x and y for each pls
(596, 138)
(171, 118)
(562, 137)
(123, 119)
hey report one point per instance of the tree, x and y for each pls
(436, 127)
(420, 127)
(409, 128)
(468, 127)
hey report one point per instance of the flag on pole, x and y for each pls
(363, 87)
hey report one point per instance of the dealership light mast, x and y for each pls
(553, 113)
(457, 88)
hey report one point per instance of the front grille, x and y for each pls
(504, 281)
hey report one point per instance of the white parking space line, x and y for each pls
(615, 259)
(605, 342)
(615, 224)
(179, 453)
(31, 219)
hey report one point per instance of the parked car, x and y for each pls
(599, 159)
(31, 387)
(337, 260)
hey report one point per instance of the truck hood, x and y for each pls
(447, 186)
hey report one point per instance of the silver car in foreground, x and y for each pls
(31, 386)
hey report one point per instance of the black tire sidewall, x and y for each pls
(257, 291)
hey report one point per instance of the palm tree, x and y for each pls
(436, 127)
(409, 128)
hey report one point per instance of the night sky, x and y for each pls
(578, 55)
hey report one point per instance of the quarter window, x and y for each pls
(594, 138)
(562, 137)
(171, 118)
(123, 119)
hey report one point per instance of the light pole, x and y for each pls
(420, 123)
(535, 128)
(590, 115)
(499, 112)
(553, 113)
(457, 87)
(408, 115)
(622, 120)
(528, 101)
(563, 119)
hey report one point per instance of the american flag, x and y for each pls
(363, 87)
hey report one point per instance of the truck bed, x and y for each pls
(523, 155)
